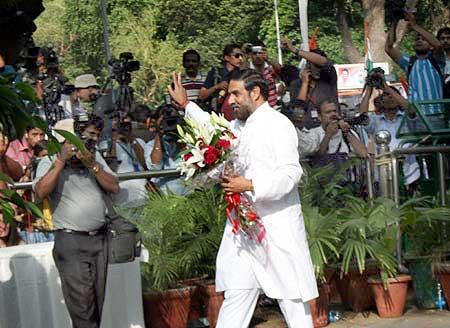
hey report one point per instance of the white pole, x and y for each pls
(277, 26)
(303, 15)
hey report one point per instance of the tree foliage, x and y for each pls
(158, 31)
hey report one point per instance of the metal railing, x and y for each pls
(388, 164)
(121, 176)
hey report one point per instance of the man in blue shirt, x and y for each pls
(393, 105)
(162, 152)
(423, 70)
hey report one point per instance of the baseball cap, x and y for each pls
(65, 125)
(85, 81)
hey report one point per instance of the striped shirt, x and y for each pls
(425, 83)
(193, 86)
(269, 77)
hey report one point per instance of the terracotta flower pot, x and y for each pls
(354, 289)
(212, 301)
(196, 310)
(319, 306)
(331, 279)
(168, 309)
(391, 301)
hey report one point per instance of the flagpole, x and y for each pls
(303, 17)
(277, 26)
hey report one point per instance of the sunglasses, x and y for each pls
(237, 56)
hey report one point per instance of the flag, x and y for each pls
(313, 39)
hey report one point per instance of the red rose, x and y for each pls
(211, 154)
(252, 216)
(222, 143)
(187, 156)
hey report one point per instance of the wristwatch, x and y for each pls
(96, 168)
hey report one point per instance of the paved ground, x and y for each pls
(271, 318)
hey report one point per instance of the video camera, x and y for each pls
(122, 67)
(251, 49)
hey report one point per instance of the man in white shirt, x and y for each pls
(85, 87)
(334, 135)
(267, 153)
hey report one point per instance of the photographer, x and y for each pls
(260, 62)
(75, 183)
(129, 152)
(215, 89)
(334, 137)
(161, 153)
(318, 81)
(393, 110)
(425, 78)
(84, 91)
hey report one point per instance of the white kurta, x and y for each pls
(268, 155)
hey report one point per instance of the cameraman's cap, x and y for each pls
(85, 81)
(65, 125)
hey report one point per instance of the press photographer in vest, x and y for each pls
(75, 183)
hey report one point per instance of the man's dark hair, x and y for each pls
(251, 79)
(140, 113)
(228, 50)
(96, 121)
(191, 52)
(259, 43)
(443, 30)
(30, 127)
(327, 101)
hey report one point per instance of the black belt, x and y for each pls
(83, 233)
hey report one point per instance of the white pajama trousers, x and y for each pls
(239, 305)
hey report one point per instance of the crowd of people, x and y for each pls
(145, 139)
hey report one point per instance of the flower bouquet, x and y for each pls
(207, 147)
(208, 156)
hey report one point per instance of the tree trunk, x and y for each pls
(351, 53)
(374, 15)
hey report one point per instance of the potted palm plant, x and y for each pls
(182, 235)
(366, 249)
(164, 229)
(323, 242)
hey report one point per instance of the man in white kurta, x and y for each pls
(269, 160)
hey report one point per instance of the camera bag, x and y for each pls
(123, 237)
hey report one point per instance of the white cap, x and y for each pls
(85, 81)
(65, 125)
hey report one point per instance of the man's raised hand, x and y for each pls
(177, 91)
